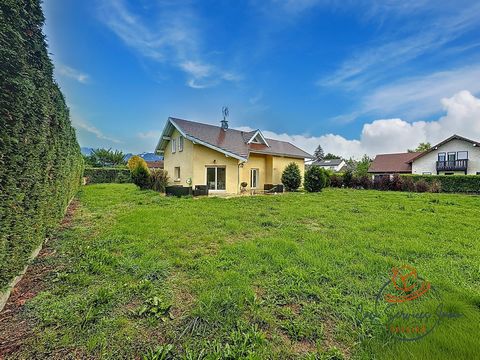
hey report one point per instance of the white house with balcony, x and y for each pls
(454, 156)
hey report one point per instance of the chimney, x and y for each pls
(224, 122)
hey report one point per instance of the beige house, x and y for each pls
(223, 158)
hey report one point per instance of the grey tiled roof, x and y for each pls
(235, 141)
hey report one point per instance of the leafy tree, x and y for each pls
(331, 156)
(106, 157)
(363, 165)
(134, 161)
(141, 176)
(318, 155)
(421, 147)
(315, 179)
(291, 177)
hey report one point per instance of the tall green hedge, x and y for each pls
(107, 175)
(40, 161)
(452, 183)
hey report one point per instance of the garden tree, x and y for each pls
(40, 159)
(363, 165)
(291, 177)
(421, 147)
(106, 157)
(351, 164)
(141, 176)
(315, 179)
(134, 161)
(318, 155)
(331, 156)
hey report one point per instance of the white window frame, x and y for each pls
(216, 178)
(180, 143)
(177, 178)
(174, 146)
(255, 171)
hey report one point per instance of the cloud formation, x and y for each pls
(462, 117)
(173, 38)
(72, 73)
(81, 124)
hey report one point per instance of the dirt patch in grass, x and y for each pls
(329, 340)
(15, 329)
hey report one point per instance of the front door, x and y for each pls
(254, 178)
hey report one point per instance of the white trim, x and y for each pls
(258, 132)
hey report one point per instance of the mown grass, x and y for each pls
(253, 277)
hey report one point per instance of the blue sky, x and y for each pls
(356, 76)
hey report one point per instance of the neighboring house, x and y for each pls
(223, 158)
(153, 165)
(390, 164)
(335, 165)
(455, 155)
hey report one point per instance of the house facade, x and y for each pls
(456, 155)
(222, 158)
(334, 165)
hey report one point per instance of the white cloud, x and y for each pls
(72, 73)
(84, 125)
(462, 117)
(172, 39)
(151, 134)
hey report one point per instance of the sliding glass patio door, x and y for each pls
(216, 178)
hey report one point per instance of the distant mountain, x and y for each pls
(86, 151)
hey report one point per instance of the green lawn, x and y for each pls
(253, 277)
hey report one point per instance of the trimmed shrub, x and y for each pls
(396, 183)
(107, 175)
(421, 186)
(348, 178)
(364, 182)
(141, 176)
(159, 180)
(315, 179)
(408, 184)
(134, 161)
(451, 183)
(40, 160)
(382, 182)
(435, 187)
(291, 177)
(336, 180)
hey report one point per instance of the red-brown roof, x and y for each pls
(236, 141)
(158, 164)
(393, 163)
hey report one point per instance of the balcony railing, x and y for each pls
(452, 165)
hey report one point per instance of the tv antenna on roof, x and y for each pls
(225, 113)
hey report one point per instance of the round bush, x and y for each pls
(315, 179)
(291, 177)
(136, 160)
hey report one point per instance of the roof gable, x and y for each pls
(435, 147)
